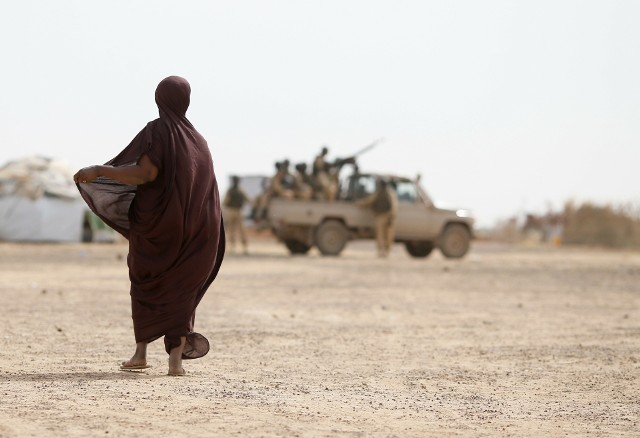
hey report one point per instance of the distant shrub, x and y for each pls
(503, 231)
(590, 224)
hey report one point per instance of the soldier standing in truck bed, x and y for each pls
(282, 181)
(234, 200)
(302, 183)
(384, 204)
(321, 174)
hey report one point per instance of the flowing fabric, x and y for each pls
(173, 224)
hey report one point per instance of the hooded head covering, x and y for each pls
(173, 95)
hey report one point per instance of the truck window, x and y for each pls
(363, 186)
(406, 191)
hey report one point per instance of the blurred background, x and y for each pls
(524, 112)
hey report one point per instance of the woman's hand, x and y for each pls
(86, 175)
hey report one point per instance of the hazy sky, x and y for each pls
(502, 106)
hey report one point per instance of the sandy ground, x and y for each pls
(511, 341)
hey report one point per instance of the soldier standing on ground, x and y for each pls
(234, 200)
(384, 204)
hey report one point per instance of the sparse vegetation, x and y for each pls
(609, 226)
(612, 226)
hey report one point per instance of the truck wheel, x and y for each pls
(455, 241)
(331, 237)
(419, 249)
(296, 247)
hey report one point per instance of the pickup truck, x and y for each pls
(330, 225)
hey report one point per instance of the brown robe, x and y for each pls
(173, 224)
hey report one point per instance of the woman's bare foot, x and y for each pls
(139, 358)
(175, 359)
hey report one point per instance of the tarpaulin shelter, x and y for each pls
(39, 202)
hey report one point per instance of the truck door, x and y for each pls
(414, 213)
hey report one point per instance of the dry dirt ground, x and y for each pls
(510, 341)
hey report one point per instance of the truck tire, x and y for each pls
(296, 247)
(419, 249)
(455, 241)
(331, 237)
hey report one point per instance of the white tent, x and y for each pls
(39, 202)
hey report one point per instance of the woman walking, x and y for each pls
(161, 193)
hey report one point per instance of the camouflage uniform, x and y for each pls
(384, 203)
(323, 181)
(302, 184)
(282, 181)
(234, 200)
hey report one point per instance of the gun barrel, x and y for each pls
(368, 147)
